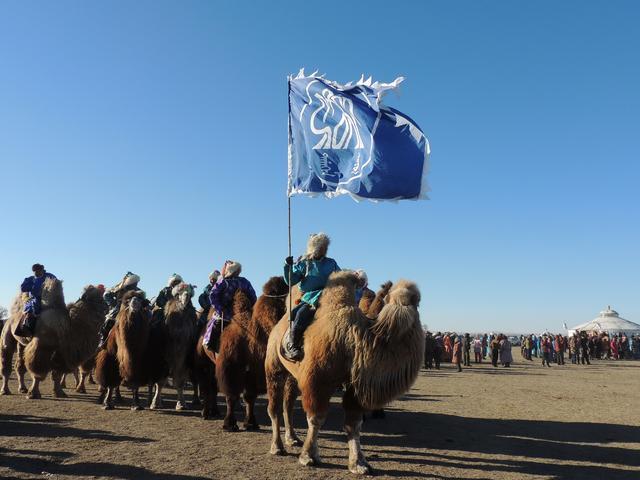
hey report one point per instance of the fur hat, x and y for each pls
(213, 276)
(317, 246)
(364, 279)
(231, 269)
(36, 267)
(130, 279)
(173, 279)
(175, 291)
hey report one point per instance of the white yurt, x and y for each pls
(608, 321)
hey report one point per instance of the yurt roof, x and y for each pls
(609, 321)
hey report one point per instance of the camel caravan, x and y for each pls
(313, 332)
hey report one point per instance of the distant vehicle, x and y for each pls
(515, 341)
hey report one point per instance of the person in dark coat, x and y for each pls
(466, 350)
(203, 299)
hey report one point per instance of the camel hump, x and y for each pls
(242, 302)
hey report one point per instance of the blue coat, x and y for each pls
(33, 286)
(312, 276)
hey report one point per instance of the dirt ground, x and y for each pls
(526, 422)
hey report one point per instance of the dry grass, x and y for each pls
(526, 422)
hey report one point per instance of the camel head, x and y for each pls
(95, 296)
(400, 313)
(133, 301)
(275, 287)
(340, 290)
(183, 293)
(52, 294)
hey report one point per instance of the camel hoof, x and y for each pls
(60, 394)
(308, 460)
(293, 442)
(251, 427)
(360, 468)
(6, 391)
(231, 428)
(34, 395)
(81, 390)
(157, 406)
(136, 408)
(91, 381)
(107, 407)
(179, 406)
(277, 450)
(23, 390)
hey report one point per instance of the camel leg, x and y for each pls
(291, 439)
(7, 349)
(58, 392)
(150, 392)
(108, 399)
(180, 404)
(34, 391)
(195, 401)
(136, 400)
(63, 381)
(91, 380)
(275, 392)
(102, 395)
(230, 424)
(352, 425)
(157, 398)
(118, 396)
(309, 455)
(21, 369)
(250, 422)
(80, 387)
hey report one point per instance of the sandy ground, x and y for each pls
(526, 422)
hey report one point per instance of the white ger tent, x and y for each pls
(608, 321)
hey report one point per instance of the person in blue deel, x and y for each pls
(33, 287)
(311, 271)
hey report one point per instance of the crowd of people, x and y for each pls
(579, 348)
(455, 348)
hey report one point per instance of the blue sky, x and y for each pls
(151, 136)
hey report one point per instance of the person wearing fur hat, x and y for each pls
(32, 287)
(203, 299)
(221, 299)
(165, 294)
(311, 271)
(113, 298)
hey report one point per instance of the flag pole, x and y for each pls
(289, 271)
(289, 193)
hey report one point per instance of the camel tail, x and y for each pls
(388, 358)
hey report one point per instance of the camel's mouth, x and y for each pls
(135, 304)
(184, 298)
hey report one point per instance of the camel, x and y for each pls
(243, 348)
(134, 353)
(179, 326)
(205, 376)
(376, 361)
(65, 336)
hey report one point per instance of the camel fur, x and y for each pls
(179, 326)
(376, 361)
(205, 376)
(243, 348)
(134, 353)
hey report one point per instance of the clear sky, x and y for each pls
(151, 136)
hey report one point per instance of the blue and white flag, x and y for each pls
(343, 140)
